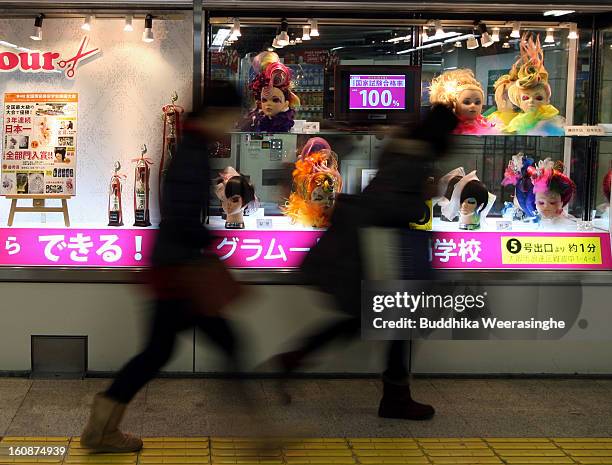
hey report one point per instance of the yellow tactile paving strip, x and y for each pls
(325, 451)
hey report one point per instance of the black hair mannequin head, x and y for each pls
(477, 190)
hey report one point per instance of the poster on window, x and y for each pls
(39, 144)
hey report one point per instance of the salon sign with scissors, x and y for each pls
(47, 62)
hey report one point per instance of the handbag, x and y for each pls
(204, 282)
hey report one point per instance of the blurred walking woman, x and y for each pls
(190, 286)
(395, 198)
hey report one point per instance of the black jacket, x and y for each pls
(182, 234)
(394, 198)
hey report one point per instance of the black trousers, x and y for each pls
(349, 327)
(169, 319)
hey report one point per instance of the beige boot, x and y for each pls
(102, 431)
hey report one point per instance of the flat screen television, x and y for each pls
(377, 94)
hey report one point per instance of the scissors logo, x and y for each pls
(71, 64)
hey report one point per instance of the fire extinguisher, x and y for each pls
(142, 174)
(172, 127)
(115, 204)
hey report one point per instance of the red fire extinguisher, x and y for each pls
(142, 174)
(115, 204)
(172, 127)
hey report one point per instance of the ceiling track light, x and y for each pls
(472, 42)
(129, 27)
(87, 23)
(495, 35)
(275, 43)
(458, 44)
(550, 36)
(573, 31)
(485, 39)
(314, 27)
(147, 35)
(506, 45)
(38, 23)
(236, 30)
(283, 37)
(306, 33)
(439, 29)
(516, 30)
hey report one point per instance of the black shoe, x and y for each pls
(398, 403)
(285, 363)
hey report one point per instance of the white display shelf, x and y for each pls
(279, 223)
(565, 225)
(283, 223)
(60, 225)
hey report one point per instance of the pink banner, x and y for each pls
(264, 249)
(287, 249)
(536, 250)
(76, 247)
(132, 247)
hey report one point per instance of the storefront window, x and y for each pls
(355, 123)
(90, 136)
(605, 111)
(79, 108)
(604, 171)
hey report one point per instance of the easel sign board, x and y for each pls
(39, 145)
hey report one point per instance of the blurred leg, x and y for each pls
(221, 333)
(102, 434)
(167, 321)
(397, 401)
(348, 303)
(345, 328)
(397, 363)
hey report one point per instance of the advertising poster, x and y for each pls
(39, 144)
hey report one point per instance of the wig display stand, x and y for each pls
(38, 206)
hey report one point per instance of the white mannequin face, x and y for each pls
(549, 204)
(232, 205)
(468, 206)
(532, 99)
(273, 101)
(468, 212)
(322, 198)
(469, 104)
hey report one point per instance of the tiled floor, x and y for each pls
(320, 408)
(375, 451)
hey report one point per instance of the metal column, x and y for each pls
(198, 54)
(592, 150)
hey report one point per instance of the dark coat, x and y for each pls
(394, 198)
(182, 234)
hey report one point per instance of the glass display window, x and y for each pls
(92, 106)
(602, 183)
(86, 124)
(529, 179)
